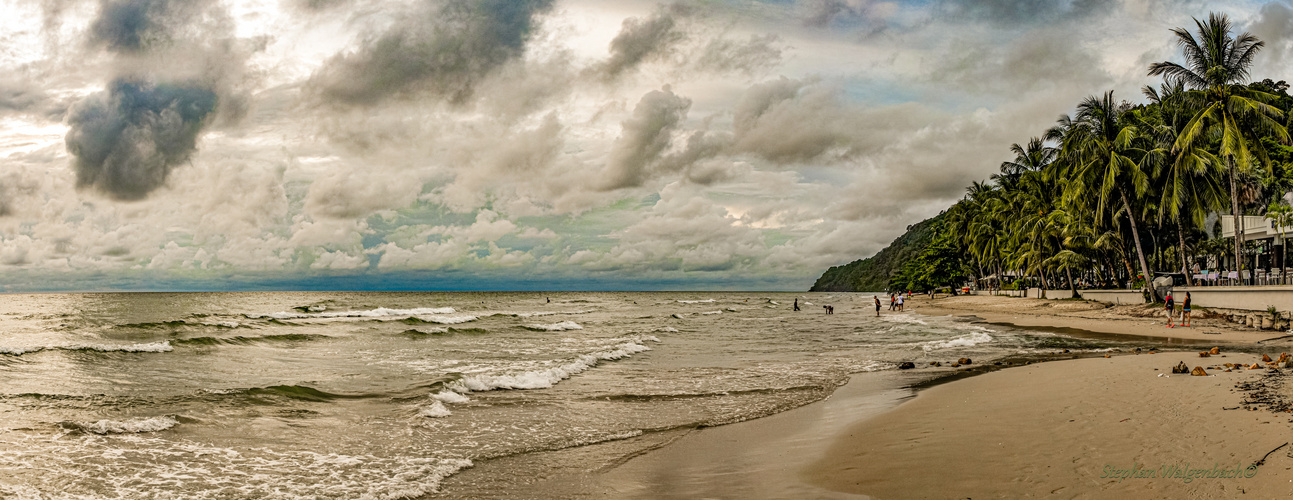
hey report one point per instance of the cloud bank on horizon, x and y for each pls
(629, 144)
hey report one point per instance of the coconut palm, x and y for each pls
(1031, 158)
(1108, 156)
(1229, 113)
(1188, 183)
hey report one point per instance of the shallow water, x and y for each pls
(384, 395)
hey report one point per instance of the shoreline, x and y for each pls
(909, 450)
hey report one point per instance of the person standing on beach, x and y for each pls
(877, 305)
(900, 302)
(1171, 309)
(893, 302)
(1185, 309)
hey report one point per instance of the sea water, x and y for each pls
(388, 395)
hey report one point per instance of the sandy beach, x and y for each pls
(1116, 427)
(1133, 320)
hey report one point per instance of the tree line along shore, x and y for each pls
(1118, 191)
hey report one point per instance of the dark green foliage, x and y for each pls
(873, 274)
(940, 264)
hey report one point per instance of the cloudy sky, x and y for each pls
(528, 144)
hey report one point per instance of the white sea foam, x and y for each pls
(162, 346)
(706, 301)
(712, 312)
(19, 351)
(435, 410)
(666, 329)
(557, 327)
(158, 468)
(431, 330)
(132, 426)
(380, 312)
(543, 379)
(730, 309)
(450, 397)
(903, 318)
(970, 340)
(447, 320)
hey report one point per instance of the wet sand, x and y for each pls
(1057, 315)
(1050, 429)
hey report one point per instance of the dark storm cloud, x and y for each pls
(645, 136)
(446, 51)
(1033, 61)
(1274, 25)
(131, 26)
(1021, 11)
(788, 121)
(643, 40)
(126, 139)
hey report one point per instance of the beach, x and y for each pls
(1098, 427)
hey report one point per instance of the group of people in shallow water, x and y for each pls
(829, 309)
(895, 303)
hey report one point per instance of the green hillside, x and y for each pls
(870, 275)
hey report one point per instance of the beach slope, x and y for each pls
(1070, 429)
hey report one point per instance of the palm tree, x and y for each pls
(1108, 154)
(1031, 158)
(1216, 65)
(1188, 183)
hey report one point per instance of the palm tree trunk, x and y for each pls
(1140, 254)
(1185, 268)
(1072, 286)
(1234, 213)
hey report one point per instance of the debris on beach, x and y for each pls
(1215, 351)
(1181, 368)
(1204, 354)
(963, 361)
(1266, 358)
(1198, 372)
(906, 365)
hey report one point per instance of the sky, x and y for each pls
(529, 144)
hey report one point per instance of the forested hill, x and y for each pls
(871, 275)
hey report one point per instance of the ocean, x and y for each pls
(391, 395)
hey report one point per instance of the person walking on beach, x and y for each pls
(877, 305)
(893, 302)
(1185, 309)
(796, 303)
(1171, 309)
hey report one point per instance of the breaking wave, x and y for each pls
(132, 426)
(435, 410)
(162, 346)
(543, 379)
(555, 327)
(974, 338)
(241, 340)
(380, 312)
